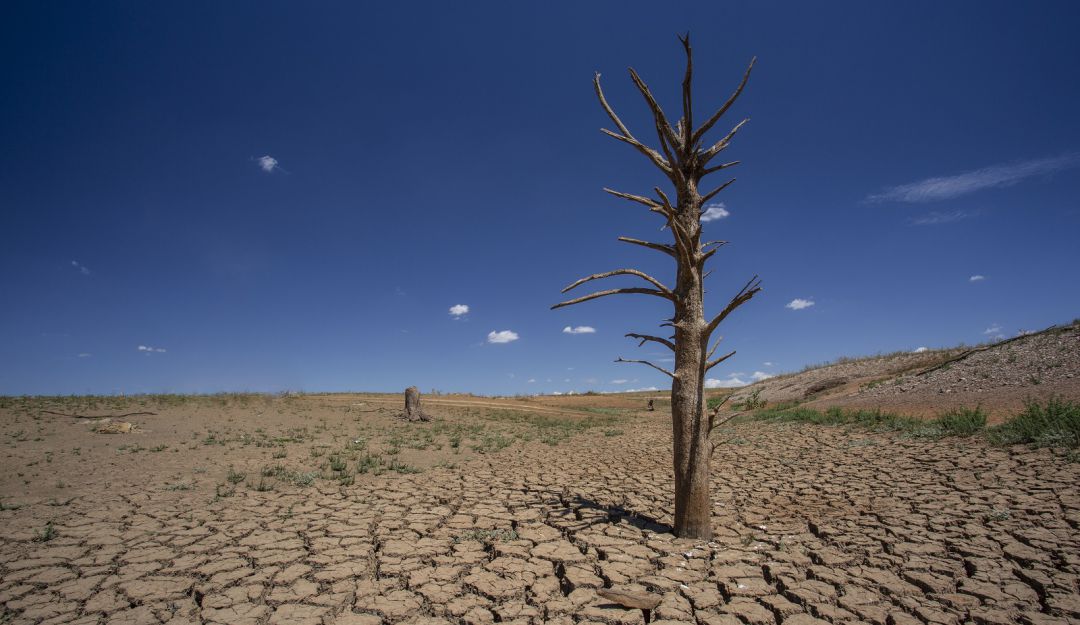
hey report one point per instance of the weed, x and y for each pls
(9, 506)
(401, 467)
(370, 463)
(235, 477)
(45, 534)
(338, 464)
(1055, 423)
(487, 536)
(179, 486)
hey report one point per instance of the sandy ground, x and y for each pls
(234, 512)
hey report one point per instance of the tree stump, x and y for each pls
(413, 412)
(651, 407)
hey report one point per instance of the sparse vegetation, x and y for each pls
(46, 533)
(1055, 423)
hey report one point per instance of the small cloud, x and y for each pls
(80, 267)
(457, 311)
(919, 350)
(1025, 332)
(532, 380)
(732, 381)
(976, 278)
(502, 336)
(994, 332)
(767, 364)
(639, 390)
(579, 330)
(151, 350)
(268, 163)
(714, 212)
(758, 376)
(933, 219)
(84, 355)
(799, 303)
(996, 176)
(620, 381)
(399, 292)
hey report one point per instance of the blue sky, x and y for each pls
(424, 156)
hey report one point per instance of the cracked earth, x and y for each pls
(812, 524)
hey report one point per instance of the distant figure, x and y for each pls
(651, 408)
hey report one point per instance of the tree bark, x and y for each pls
(413, 412)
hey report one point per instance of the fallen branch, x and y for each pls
(98, 416)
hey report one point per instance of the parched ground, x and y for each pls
(233, 513)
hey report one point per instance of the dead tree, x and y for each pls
(684, 159)
(413, 412)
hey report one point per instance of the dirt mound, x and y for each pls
(998, 377)
(840, 378)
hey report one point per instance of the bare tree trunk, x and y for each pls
(684, 161)
(690, 429)
(413, 412)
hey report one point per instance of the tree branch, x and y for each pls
(752, 287)
(710, 170)
(621, 272)
(660, 247)
(650, 153)
(640, 199)
(708, 196)
(723, 109)
(663, 128)
(707, 255)
(722, 144)
(687, 126)
(713, 363)
(655, 339)
(646, 362)
(629, 291)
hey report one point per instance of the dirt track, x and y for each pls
(813, 524)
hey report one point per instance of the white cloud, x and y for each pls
(85, 355)
(268, 163)
(767, 364)
(732, 381)
(457, 311)
(799, 303)
(933, 219)
(946, 187)
(919, 350)
(148, 349)
(82, 268)
(976, 278)
(502, 336)
(994, 331)
(620, 381)
(532, 380)
(638, 390)
(714, 212)
(760, 375)
(579, 330)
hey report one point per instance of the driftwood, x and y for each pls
(98, 416)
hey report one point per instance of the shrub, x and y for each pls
(1057, 423)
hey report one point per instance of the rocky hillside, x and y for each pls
(998, 377)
